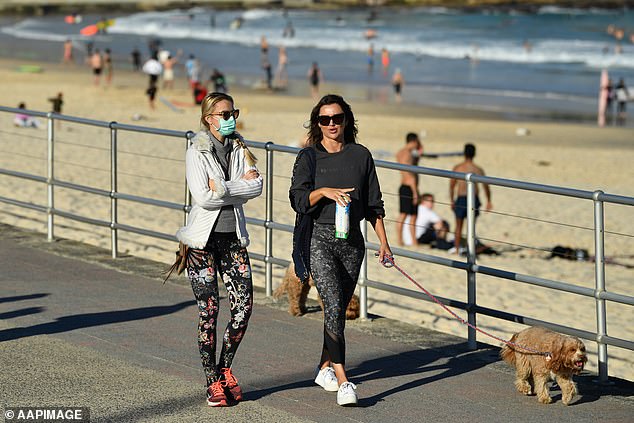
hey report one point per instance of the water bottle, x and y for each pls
(342, 221)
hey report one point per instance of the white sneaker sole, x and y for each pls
(329, 388)
(347, 402)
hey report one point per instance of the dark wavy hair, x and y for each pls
(350, 131)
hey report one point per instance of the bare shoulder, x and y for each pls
(460, 167)
(479, 170)
(403, 156)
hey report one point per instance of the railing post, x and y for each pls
(268, 246)
(50, 175)
(188, 196)
(113, 191)
(599, 274)
(363, 274)
(471, 260)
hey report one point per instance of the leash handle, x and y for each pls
(388, 261)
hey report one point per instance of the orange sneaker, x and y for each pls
(216, 395)
(231, 384)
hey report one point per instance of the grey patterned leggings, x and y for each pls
(335, 264)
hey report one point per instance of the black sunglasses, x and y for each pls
(337, 119)
(227, 114)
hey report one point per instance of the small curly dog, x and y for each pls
(298, 292)
(534, 371)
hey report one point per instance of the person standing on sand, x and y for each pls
(222, 176)
(151, 95)
(219, 81)
(622, 96)
(370, 58)
(458, 192)
(385, 60)
(107, 60)
(168, 70)
(281, 74)
(314, 78)
(408, 191)
(136, 59)
(58, 102)
(397, 83)
(96, 63)
(68, 52)
(345, 175)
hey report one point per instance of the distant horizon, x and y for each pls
(92, 6)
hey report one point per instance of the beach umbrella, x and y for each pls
(152, 67)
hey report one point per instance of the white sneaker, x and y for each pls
(347, 394)
(327, 379)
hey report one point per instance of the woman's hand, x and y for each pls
(251, 174)
(212, 184)
(384, 252)
(338, 195)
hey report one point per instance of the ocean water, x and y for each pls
(547, 63)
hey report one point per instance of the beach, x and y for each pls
(522, 226)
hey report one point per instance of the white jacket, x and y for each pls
(200, 165)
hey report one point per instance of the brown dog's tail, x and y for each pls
(508, 353)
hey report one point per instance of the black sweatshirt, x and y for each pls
(352, 167)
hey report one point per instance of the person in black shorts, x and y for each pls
(458, 194)
(408, 191)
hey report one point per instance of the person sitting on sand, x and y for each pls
(23, 120)
(429, 227)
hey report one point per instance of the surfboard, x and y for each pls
(89, 30)
(29, 69)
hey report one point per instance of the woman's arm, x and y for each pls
(248, 187)
(375, 210)
(379, 228)
(198, 182)
(301, 185)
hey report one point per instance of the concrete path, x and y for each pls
(80, 329)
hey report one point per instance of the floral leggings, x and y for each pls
(335, 264)
(222, 254)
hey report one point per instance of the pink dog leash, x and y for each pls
(388, 261)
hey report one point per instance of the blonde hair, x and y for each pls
(207, 107)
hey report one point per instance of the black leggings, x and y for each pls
(335, 264)
(222, 254)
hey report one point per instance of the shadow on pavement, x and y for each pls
(21, 312)
(22, 298)
(79, 321)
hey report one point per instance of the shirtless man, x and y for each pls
(96, 63)
(458, 192)
(168, 70)
(408, 191)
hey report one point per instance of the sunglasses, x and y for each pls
(227, 114)
(337, 119)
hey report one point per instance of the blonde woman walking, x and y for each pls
(222, 176)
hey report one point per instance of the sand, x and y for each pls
(523, 226)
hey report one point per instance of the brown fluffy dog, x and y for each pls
(298, 292)
(533, 371)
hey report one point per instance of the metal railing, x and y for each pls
(470, 266)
